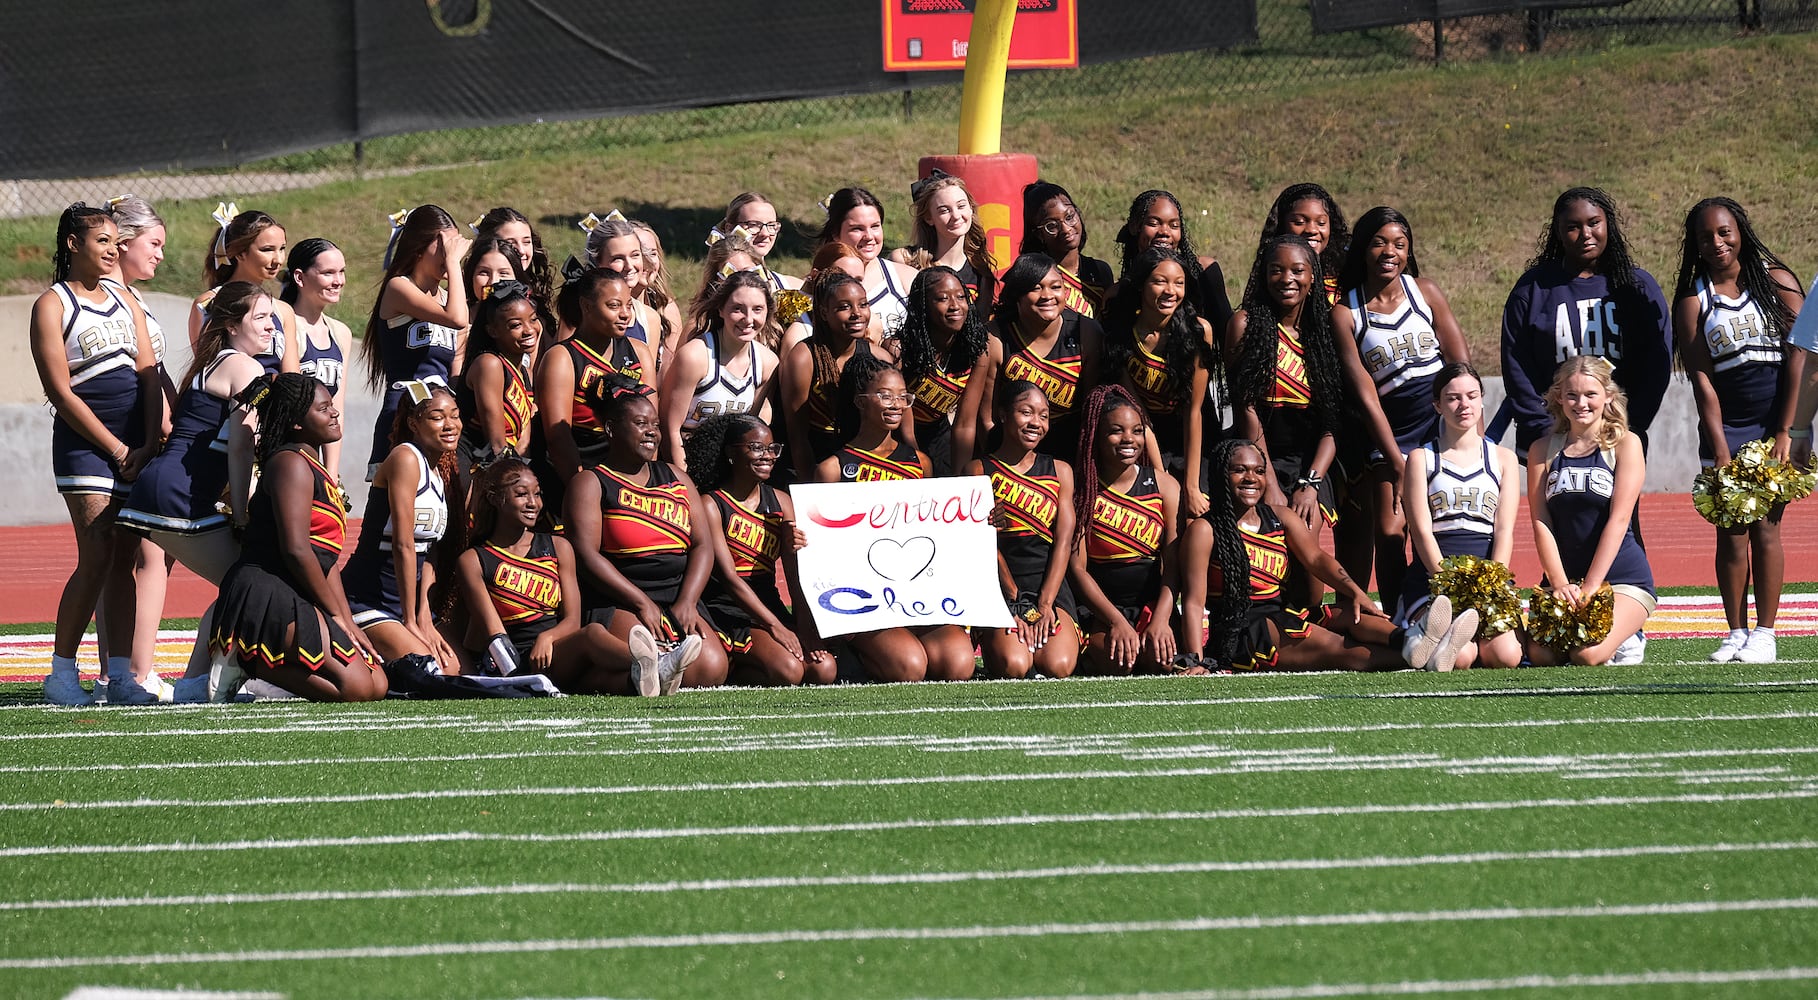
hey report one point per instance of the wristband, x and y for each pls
(504, 656)
(1800, 434)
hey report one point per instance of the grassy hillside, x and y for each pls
(1473, 154)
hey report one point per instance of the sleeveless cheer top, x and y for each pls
(1266, 551)
(326, 365)
(1057, 372)
(1400, 350)
(1462, 501)
(1029, 502)
(526, 590)
(99, 340)
(262, 544)
(890, 307)
(589, 365)
(719, 392)
(429, 518)
(1148, 374)
(1745, 356)
(518, 408)
(645, 530)
(179, 488)
(860, 466)
(1124, 538)
(1578, 494)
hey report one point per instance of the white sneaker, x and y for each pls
(671, 665)
(1424, 638)
(126, 690)
(157, 685)
(65, 688)
(1463, 630)
(1728, 648)
(1760, 648)
(224, 678)
(190, 690)
(644, 659)
(1633, 650)
(260, 690)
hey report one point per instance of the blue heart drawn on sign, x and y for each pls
(900, 561)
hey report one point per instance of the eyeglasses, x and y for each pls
(770, 450)
(889, 398)
(1053, 227)
(756, 228)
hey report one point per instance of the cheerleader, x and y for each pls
(1034, 518)
(1583, 295)
(249, 246)
(489, 262)
(314, 277)
(729, 368)
(832, 257)
(1155, 220)
(282, 616)
(532, 267)
(653, 290)
(873, 406)
(519, 585)
(1053, 226)
(1451, 489)
(390, 574)
(1733, 304)
(497, 410)
(811, 370)
(1249, 547)
(1161, 350)
(1393, 331)
(727, 255)
(731, 457)
(413, 332)
(1125, 516)
(1038, 338)
(1308, 211)
(643, 540)
(949, 234)
(95, 362)
(943, 344)
(613, 245)
(755, 214)
(574, 433)
(1583, 482)
(856, 218)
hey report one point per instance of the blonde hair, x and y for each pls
(921, 254)
(1616, 402)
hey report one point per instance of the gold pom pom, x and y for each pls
(791, 303)
(1749, 487)
(1562, 625)
(1483, 584)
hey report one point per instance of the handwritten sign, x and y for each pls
(899, 554)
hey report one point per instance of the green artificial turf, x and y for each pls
(1207, 837)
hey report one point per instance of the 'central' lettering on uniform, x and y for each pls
(1137, 525)
(535, 588)
(665, 509)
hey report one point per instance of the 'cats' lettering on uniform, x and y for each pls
(426, 334)
(1578, 479)
(328, 371)
(1601, 335)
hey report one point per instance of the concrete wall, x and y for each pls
(30, 497)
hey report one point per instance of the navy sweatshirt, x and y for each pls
(1552, 316)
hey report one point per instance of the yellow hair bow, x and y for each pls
(827, 203)
(714, 236)
(398, 218)
(224, 213)
(417, 389)
(114, 202)
(475, 225)
(590, 223)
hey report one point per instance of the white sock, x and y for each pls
(119, 666)
(1738, 634)
(1764, 630)
(64, 665)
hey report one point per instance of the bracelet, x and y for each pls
(1312, 479)
(120, 456)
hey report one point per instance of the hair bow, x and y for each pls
(114, 202)
(715, 235)
(224, 213)
(500, 289)
(827, 203)
(475, 225)
(917, 187)
(397, 220)
(417, 389)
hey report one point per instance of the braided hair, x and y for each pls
(826, 288)
(1086, 485)
(1338, 235)
(1616, 264)
(916, 344)
(75, 221)
(1357, 265)
(1756, 260)
(705, 449)
(1254, 378)
(1183, 246)
(1183, 345)
(489, 495)
(280, 401)
(856, 378)
(1230, 554)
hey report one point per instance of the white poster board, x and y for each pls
(913, 552)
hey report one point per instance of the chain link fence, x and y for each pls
(1289, 51)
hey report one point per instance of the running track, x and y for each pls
(36, 561)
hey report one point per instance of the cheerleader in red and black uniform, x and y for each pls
(731, 457)
(1053, 226)
(943, 347)
(282, 615)
(873, 406)
(643, 538)
(1036, 338)
(1310, 212)
(1034, 542)
(497, 408)
(811, 369)
(576, 436)
(1126, 515)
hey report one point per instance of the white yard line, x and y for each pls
(873, 826)
(913, 878)
(1427, 987)
(1190, 925)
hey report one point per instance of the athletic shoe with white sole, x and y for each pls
(1728, 648)
(65, 688)
(1633, 650)
(1462, 630)
(127, 690)
(644, 659)
(1424, 637)
(672, 664)
(224, 678)
(1761, 648)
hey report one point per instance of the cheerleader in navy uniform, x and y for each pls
(1310, 212)
(1394, 329)
(1126, 517)
(873, 404)
(731, 457)
(519, 585)
(1037, 338)
(1053, 226)
(1583, 481)
(856, 218)
(1161, 351)
(413, 332)
(282, 616)
(1034, 518)
(643, 540)
(944, 355)
(729, 367)
(249, 246)
(314, 277)
(1734, 303)
(95, 362)
(811, 370)
(1452, 488)
(1156, 220)
(390, 574)
(948, 234)
(755, 214)
(602, 344)
(1582, 295)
